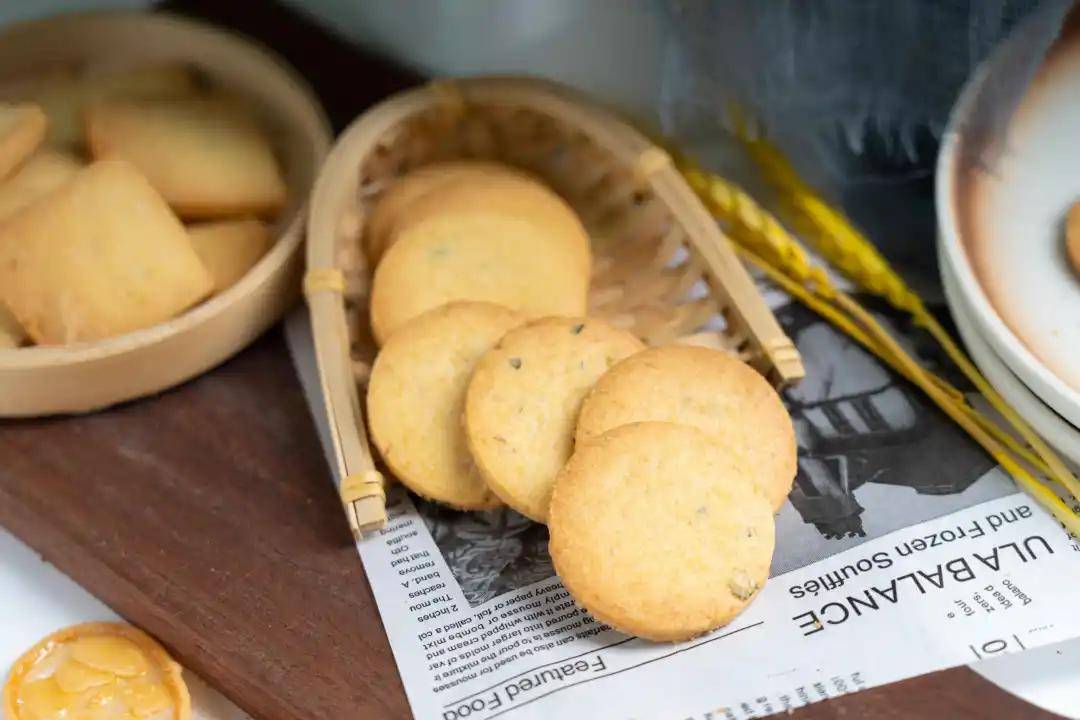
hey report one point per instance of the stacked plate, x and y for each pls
(1002, 198)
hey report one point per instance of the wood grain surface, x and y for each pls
(206, 515)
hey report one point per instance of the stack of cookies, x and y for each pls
(126, 197)
(657, 470)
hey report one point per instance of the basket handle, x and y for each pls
(362, 487)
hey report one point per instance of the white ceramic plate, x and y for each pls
(1051, 426)
(1001, 225)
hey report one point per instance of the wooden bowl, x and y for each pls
(662, 269)
(91, 375)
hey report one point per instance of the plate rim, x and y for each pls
(1041, 416)
(1039, 379)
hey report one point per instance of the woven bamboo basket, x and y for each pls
(661, 267)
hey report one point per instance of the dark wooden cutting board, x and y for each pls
(207, 516)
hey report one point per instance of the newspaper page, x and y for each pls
(902, 550)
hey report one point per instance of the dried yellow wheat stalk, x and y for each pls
(837, 239)
(765, 241)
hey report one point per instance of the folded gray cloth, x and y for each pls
(856, 92)
(874, 79)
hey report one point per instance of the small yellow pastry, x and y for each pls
(207, 157)
(229, 248)
(97, 671)
(22, 130)
(41, 174)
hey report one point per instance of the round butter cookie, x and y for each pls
(707, 389)
(659, 532)
(486, 191)
(416, 396)
(491, 257)
(406, 190)
(523, 401)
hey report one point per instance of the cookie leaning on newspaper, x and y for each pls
(658, 531)
(416, 395)
(707, 389)
(523, 402)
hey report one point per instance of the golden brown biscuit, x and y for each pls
(100, 256)
(206, 157)
(495, 258)
(416, 396)
(229, 248)
(485, 193)
(64, 97)
(659, 532)
(523, 402)
(1072, 237)
(404, 191)
(707, 389)
(44, 172)
(22, 130)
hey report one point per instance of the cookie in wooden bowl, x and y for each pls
(99, 670)
(707, 389)
(660, 532)
(416, 396)
(11, 332)
(523, 401)
(101, 256)
(229, 248)
(22, 130)
(207, 157)
(44, 172)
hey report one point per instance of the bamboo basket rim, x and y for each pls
(288, 234)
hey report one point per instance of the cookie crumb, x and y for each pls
(741, 586)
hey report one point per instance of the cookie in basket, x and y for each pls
(229, 248)
(100, 256)
(396, 199)
(207, 157)
(493, 190)
(659, 532)
(45, 171)
(22, 130)
(505, 259)
(416, 396)
(523, 401)
(705, 388)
